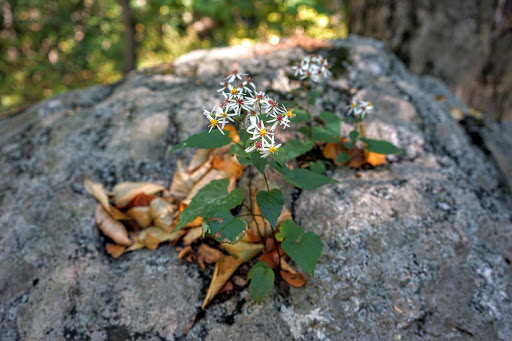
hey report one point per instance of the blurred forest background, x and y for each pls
(51, 46)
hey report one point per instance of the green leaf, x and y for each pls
(348, 144)
(243, 160)
(236, 149)
(270, 204)
(317, 166)
(262, 280)
(300, 116)
(354, 134)
(332, 122)
(343, 157)
(322, 134)
(205, 140)
(381, 147)
(224, 227)
(244, 136)
(294, 148)
(289, 230)
(209, 199)
(306, 252)
(258, 162)
(302, 178)
(304, 248)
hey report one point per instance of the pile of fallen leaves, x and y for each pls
(137, 215)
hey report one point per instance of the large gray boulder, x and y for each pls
(416, 249)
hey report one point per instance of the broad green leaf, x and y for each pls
(210, 198)
(258, 162)
(354, 134)
(332, 122)
(302, 178)
(243, 160)
(224, 227)
(317, 166)
(236, 149)
(205, 140)
(322, 134)
(289, 230)
(262, 280)
(305, 252)
(244, 136)
(304, 248)
(381, 147)
(270, 204)
(348, 144)
(294, 148)
(343, 157)
(300, 116)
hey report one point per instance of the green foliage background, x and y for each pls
(50, 46)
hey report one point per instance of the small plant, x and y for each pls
(224, 193)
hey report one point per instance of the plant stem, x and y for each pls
(362, 131)
(266, 182)
(251, 204)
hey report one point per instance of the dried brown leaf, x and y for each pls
(229, 164)
(209, 254)
(162, 213)
(192, 235)
(141, 215)
(457, 114)
(295, 280)
(181, 182)
(111, 227)
(201, 171)
(375, 159)
(200, 157)
(124, 192)
(115, 250)
(151, 242)
(224, 268)
(156, 232)
(243, 250)
(100, 193)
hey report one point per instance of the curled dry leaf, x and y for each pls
(115, 250)
(286, 267)
(111, 228)
(296, 280)
(192, 235)
(151, 242)
(162, 213)
(228, 164)
(156, 232)
(141, 215)
(224, 268)
(181, 183)
(209, 254)
(141, 199)
(201, 171)
(457, 113)
(124, 192)
(213, 174)
(232, 133)
(228, 287)
(100, 193)
(243, 250)
(200, 157)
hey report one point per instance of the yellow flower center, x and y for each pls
(263, 132)
(213, 122)
(369, 103)
(290, 114)
(273, 150)
(353, 104)
(224, 115)
(234, 91)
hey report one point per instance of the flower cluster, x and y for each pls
(257, 113)
(312, 67)
(359, 109)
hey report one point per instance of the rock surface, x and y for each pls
(416, 249)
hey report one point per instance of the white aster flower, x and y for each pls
(235, 75)
(269, 147)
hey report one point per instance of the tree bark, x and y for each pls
(467, 43)
(129, 43)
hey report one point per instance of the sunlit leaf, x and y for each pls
(262, 281)
(162, 213)
(224, 268)
(205, 140)
(243, 250)
(302, 178)
(375, 159)
(141, 215)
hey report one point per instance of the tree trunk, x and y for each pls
(466, 43)
(129, 44)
